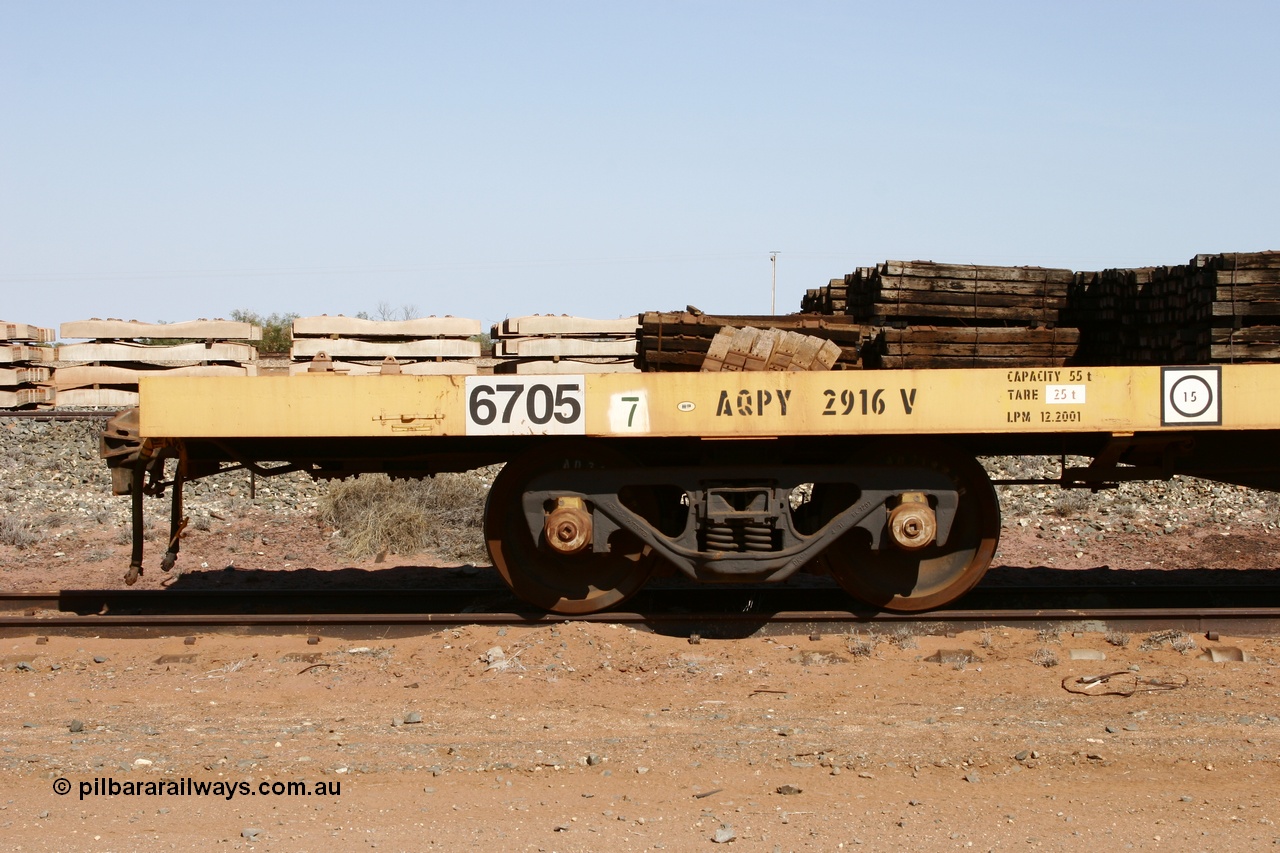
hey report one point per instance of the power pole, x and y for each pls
(773, 289)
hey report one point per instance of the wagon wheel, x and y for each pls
(897, 579)
(584, 582)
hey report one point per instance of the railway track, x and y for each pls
(700, 612)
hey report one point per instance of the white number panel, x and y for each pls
(526, 405)
(1192, 395)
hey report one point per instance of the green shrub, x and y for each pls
(277, 329)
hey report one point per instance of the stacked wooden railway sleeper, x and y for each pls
(1213, 309)
(1244, 316)
(564, 344)
(24, 366)
(691, 340)
(104, 371)
(928, 314)
(355, 346)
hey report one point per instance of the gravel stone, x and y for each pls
(724, 834)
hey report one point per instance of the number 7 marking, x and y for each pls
(635, 402)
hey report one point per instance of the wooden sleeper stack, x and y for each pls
(925, 314)
(918, 347)
(681, 341)
(1212, 309)
(1245, 305)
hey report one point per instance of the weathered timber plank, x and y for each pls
(941, 362)
(983, 334)
(1245, 352)
(131, 352)
(1061, 350)
(681, 344)
(1242, 260)
(1246, 292)
(1249, 334)
(194, 329)
(1224, 278)
(693, 359)
(955, 285)
(841, 332)
(347, 348)
(548, 325)
(357, 327)
(975, 271)
(1260, 308)
(803, 323)
(963, 312)
(979, 299)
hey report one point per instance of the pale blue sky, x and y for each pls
(165, 160)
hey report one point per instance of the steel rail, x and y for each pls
(43, 614)
(1245, 622)
(659, 598)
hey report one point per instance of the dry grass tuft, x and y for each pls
(1048, 637)
(443, 515)
(1117, 638)
(1044, 656)
(18, 532)
(903, 638)
(862, 647)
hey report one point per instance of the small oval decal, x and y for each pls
(686, 406)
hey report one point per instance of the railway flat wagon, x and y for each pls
(870, 476)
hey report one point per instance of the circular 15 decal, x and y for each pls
(1191, 395)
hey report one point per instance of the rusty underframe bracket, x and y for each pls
(137, 468)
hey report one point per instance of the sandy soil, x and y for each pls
(587, 737)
